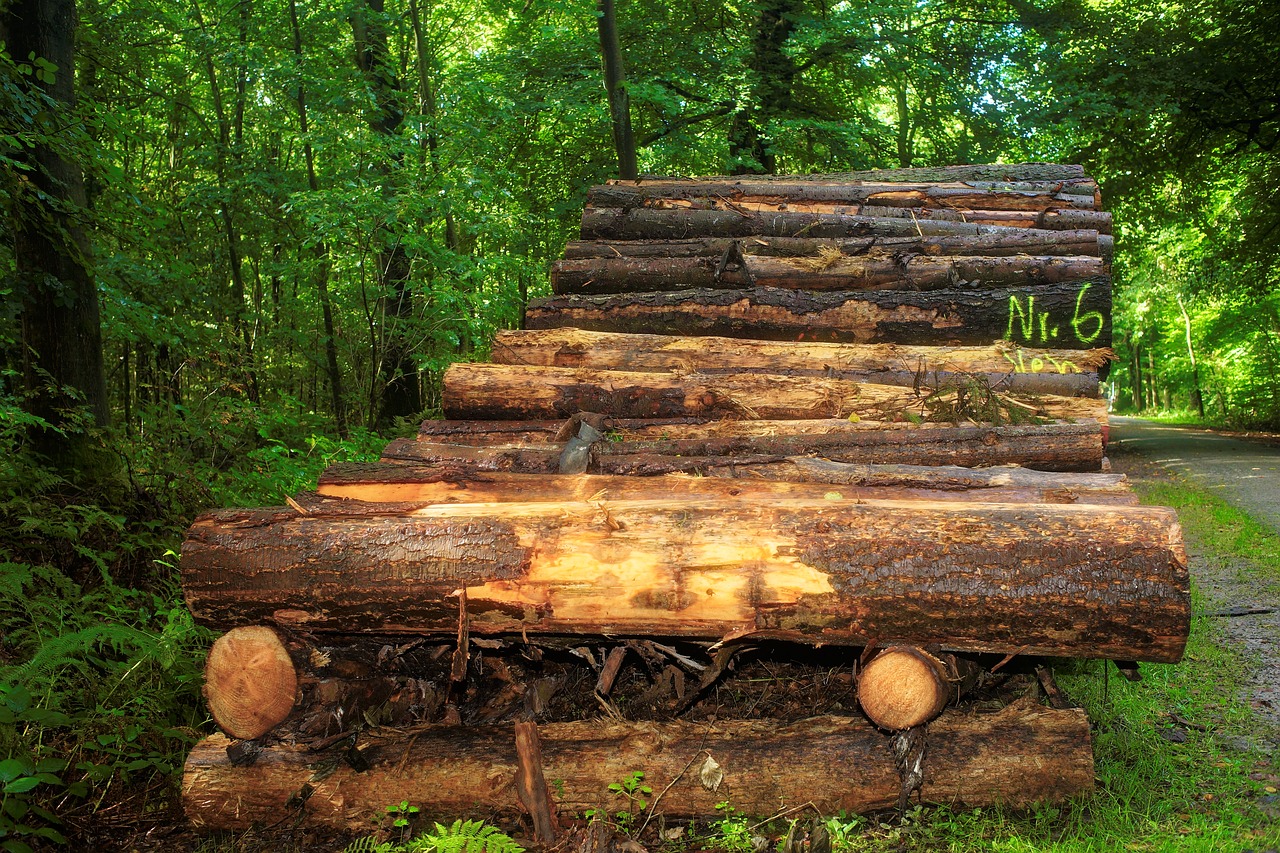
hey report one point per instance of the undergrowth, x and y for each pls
(100, 660)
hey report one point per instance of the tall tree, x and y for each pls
(61, 330)
(615, 84)
(402, 395)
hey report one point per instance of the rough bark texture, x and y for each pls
(670, 224)
(910, 272)
(978, 172)
(497, 391)
(1088, 581)
(1019, 755)
(1048, 195)
(1064, 316)
(1003, 366)
(808, 478)
(1002, 243)
(741, 445)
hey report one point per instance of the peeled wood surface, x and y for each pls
(1087, 581)
(666, 224)
(476, 390)
(1017, 756)
(250, 681)
(419, 485)
(919, 272)
(996, 243)
(745, 193)
(903, 687)
(1073, 315)
(740, 445)
(1002, 365)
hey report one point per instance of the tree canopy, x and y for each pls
(309, 210)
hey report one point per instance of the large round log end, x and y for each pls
(902, 687)
(250, 682)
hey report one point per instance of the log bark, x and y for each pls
(670, 224)
(1072, 373)
(416, 486)
(1085, 581)
(1063, 316)
(1017, 756)
(781, 195)
(911, 272)
(249, 682)
(1003, 243)
(498, 391)
(920, 174)
(742, 446)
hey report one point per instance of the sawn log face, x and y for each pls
(1088, 581)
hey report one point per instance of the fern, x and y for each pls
(368, 844)
(471, 836)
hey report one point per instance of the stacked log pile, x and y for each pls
(856, 412)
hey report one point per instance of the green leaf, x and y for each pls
(12, 768)
(22, 785)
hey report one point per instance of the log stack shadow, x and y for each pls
(846, 422)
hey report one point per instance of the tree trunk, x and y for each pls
(1013, 241)
(414, 486)
(918, 272)
(500, 391)
(615, 85)
(744, 445)
(52, 257)
(1083, 581)
(783, 196)
(1035, 371)
(1022, 754)
(642, 223)
(401, 395)
(1068, 316)
(320, 252)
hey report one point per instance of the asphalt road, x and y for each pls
(1245, 472)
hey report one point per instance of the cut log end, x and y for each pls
(250, 682)
(903, 687)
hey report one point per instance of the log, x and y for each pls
(1017, 756)
(976, 172)
(1059, 580)
(1064, 316)
(1004, 366)
(249, 682)
(644, 223)
(903, 687)
(993, 243)
(497, 391)
(416, 486)
(750, 194)
(741, 446)
(832, 272)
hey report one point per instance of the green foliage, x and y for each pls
(462, 836)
